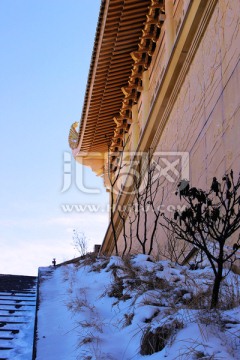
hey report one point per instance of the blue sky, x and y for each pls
(46, 49)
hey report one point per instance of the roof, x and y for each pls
(118, 32)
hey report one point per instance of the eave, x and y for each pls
(119, 29)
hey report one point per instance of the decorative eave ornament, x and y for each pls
(142, 60)
(73, 136)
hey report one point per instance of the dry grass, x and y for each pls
(195, 350)
(131, 282)
(100, 265)
(128, 319)
(155, 340)
(78, 304)
(88, 259)
(116, 289)
(229, 293)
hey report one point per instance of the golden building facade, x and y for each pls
(166, 74)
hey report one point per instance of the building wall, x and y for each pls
(205, 118)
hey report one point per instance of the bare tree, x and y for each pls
(80, 242)
(141, 217)
(113, 175)
(174, 250)
(146, 207)
(123, 217)
(208, 222)
(115, 164)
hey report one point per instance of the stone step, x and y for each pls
(32, 299)
(23, 292)
(17, 308)
(11, 311)
(4, 323)
(15, 298)
(17, 283)
(12, 316)
(12, 331)
(18, 293)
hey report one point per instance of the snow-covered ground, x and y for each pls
(110, 309)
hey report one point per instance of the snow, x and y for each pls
(24, 340)
(22, 322)
(103, 308)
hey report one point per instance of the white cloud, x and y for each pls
(28, 244)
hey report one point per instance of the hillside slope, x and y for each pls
(107, 308)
